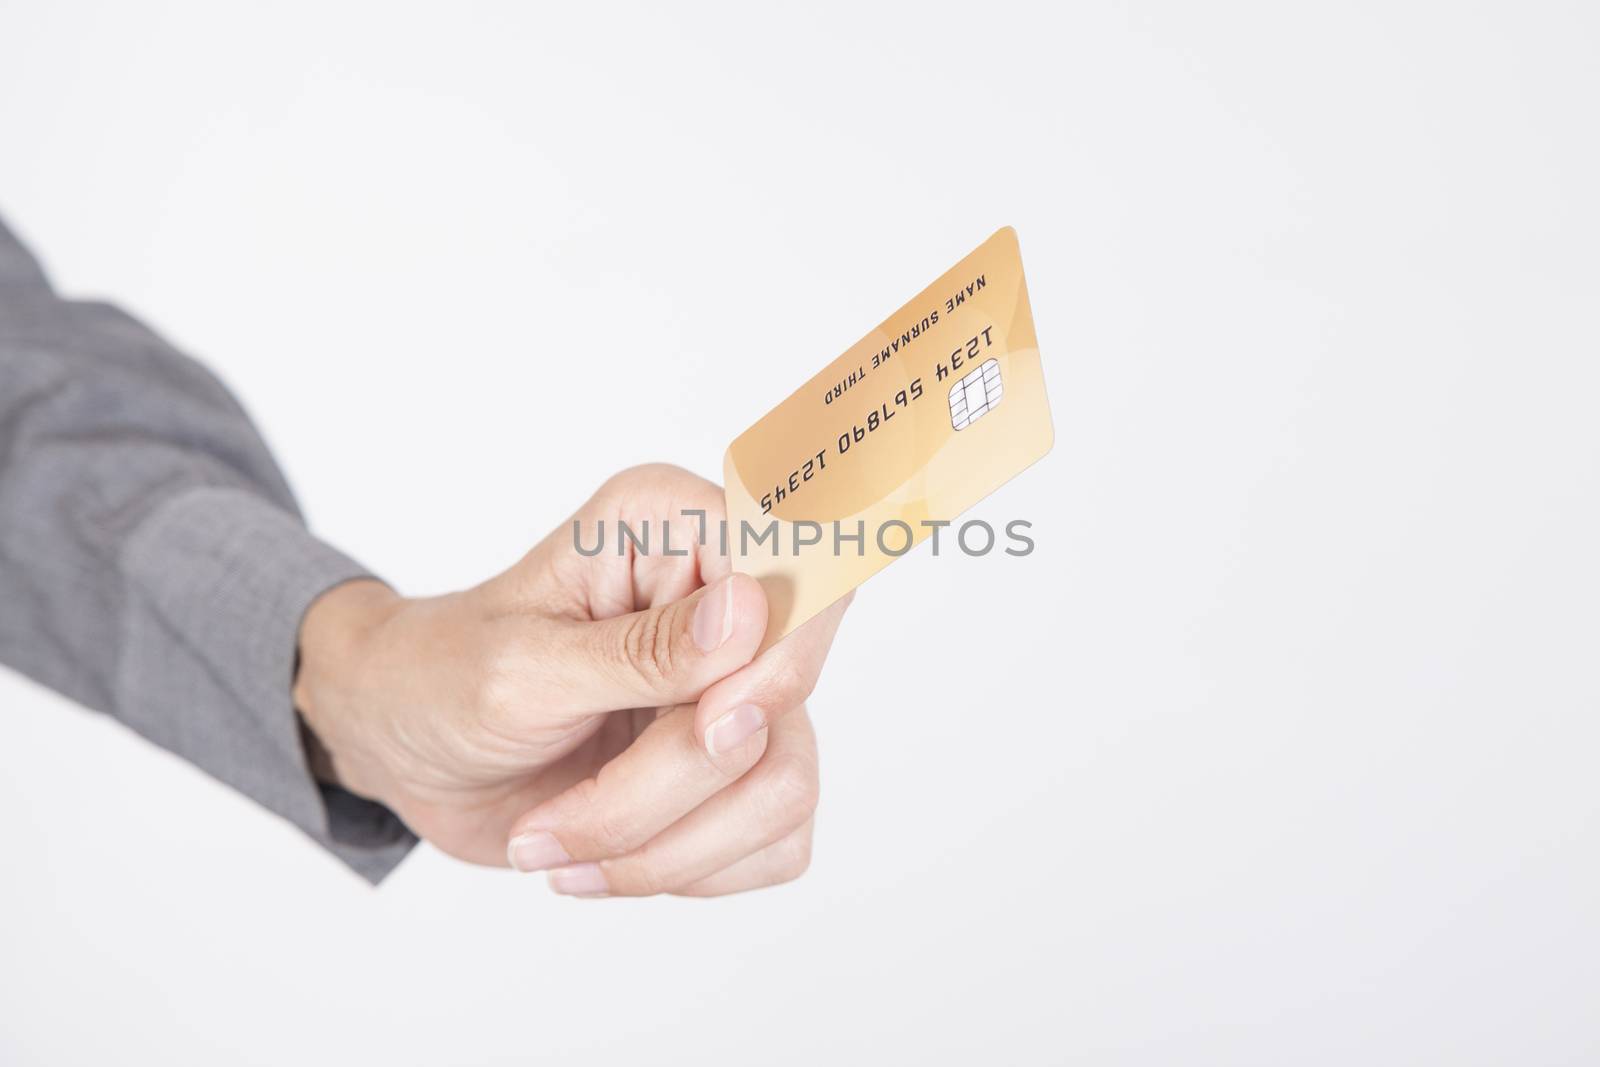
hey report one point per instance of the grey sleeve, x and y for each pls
(153, 564)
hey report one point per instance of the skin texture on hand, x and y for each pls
(600, 717)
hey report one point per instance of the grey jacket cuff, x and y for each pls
(218, 580)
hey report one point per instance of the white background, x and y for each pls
(1280, 749)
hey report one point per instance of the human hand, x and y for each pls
(601, 717)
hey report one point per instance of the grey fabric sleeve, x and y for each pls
(153, 564)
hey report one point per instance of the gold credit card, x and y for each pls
(922, 418)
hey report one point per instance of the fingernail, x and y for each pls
(735, 728)
(713, 617)
(535, 851)
(579, 880)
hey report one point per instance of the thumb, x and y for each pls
(668, 654)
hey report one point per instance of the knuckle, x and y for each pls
(648, 472)
(793, 859)
(647, 646)
(646, 476)
(791, 683)
(610, 834)
(792, 791)
(598, 828)
(664, 482)
(643, 879)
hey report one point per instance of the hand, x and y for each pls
(601, 717)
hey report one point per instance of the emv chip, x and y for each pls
(973, 396)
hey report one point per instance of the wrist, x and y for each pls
(335, 637)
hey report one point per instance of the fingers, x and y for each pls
(666, 654)
(664, 775)
(678, 806)
(732, 840)
(678, 513)
(780, 679)
(782, 861)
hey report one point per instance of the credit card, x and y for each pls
(925, 416)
